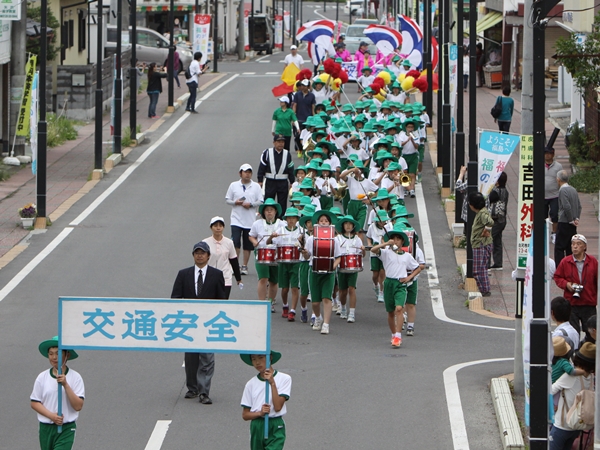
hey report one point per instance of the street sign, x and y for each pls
(525, 222)
(10, 9)
(495, 150)
(171, 325)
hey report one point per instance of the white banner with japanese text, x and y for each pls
(201, 35)
(525, 211)
(210, 326)
(495, 150)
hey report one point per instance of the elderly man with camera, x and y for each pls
(577, 275)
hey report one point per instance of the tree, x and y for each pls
(33, 42)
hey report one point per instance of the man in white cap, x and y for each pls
(283, 120)
(294, 58)
(577, 275)
(245, 196)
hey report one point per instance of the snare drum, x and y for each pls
(351, 263)
(267, 255)
(323, 248)
(288, 254)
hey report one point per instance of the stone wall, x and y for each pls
(79, 102)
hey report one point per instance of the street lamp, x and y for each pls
(42, 125)
(99, 92)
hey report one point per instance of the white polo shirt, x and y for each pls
(294, 59)
(261, 229)
(220, 254)
(397, 265)
(254, 393)
(360, 187)
(240, 216)
(45, 391)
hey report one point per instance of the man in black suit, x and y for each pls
(199, 281)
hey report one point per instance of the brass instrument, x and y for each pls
(309, 145)
(341, 190)
(405, 180)
(327, 188)
(414, 135)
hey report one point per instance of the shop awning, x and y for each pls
(489, 20)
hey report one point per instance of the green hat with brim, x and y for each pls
(339, 226)
(291, 212)
(408, 227)
(366, 68)
(416, 122)
(332, 217)
(299, 168)
(313, 165)
(316, 151)
(368, 128)
(318, 133)
(306, 184)
(270, 202)
(383, 155)
(359, 104)
(330, 108)
(275, 356)
(305, 201)
(390, 125)
(358, 164)
(382, 141)
(368, 90)
(355, 137)
(296, 196)
(318, 81)
(401, 211)
(307, 214)
(337, 211)
(326, 167)
(393, 166)
(399, 231)
(347, 108)
(343, 129)
(330, 146)
(406, 63)
(45, 347)
(382, 194)
(395, 58)
(382, 216)
(385, 104)
(360, 118)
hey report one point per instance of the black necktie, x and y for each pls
(200, 284)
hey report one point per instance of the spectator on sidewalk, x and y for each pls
(245, 196)
(569, 210)
(192, 83)
(480, 59)
(498, 204)
(508, 105)
(294, 58)
(481, 241)
(551, 189)
(560, 311)
(154, 88)
(175, 72)
(577, 275)
(466, 67)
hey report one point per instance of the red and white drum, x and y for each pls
(267, 255)
(410, 248)
(288, 254)
(351, 263)
(323, 248)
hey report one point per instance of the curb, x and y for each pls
(508, 422)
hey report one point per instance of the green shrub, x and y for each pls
(126, 135)
(60, 130)
(587, 181)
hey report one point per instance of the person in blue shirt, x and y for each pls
(508, 105)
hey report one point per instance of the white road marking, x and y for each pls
(16, 280)
(264, 62)
(262, 57)
(272, 73)
(249, 73)
(455, 411)
(158, 435)
(316, 11)
(432, 275)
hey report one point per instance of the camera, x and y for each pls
(577, 288)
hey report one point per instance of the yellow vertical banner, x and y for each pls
(24, 110)
(525, 223)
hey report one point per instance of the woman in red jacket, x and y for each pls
(577, 275)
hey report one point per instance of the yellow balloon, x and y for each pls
(401, 78)
(407, 84)
(381, 95)
(336, 84)
(385, 76)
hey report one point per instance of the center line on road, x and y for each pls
(432, 275)
(271, 73)
(158, 435)
(249, 73)
(264, 62)
(455, 411)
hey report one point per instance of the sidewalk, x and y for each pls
(502, 300)
(69, 167)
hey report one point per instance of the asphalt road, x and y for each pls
(350, 389)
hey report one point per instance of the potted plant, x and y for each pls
(27, 214)
(583, 148)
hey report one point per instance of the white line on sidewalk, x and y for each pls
(158, 435)
(16, 280)
(432, 275)
(455, 411)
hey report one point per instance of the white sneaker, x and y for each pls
(351, 318)
(376, 290)
(244, 270)
(553, 237)
(344, 314)
(412, 194)
(318, 324)
(380, 298)
(325, 328)
(335, 308)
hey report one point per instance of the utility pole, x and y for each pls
(18, 59)
(446, 113)
(134, 74)
(170, 107)
(240, 43)
(427, 25)
(460, 132)
(118, 94)
(215, 37)
(42, 125)
(99, 92)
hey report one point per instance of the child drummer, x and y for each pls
(350, 244)
(397, 263)
(260, 231)
(288, 234)
(321, 284)
(304, 267)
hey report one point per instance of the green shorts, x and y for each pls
(347, 280)
(394, 294)
(265, 271)
(276, 439)
(376, 264)
(412, 161)
(411, 293)
(358, 210)
(421, 153)
(321, 286)
(288, 275)
(303, 278)
(51, 439)
(326, 202)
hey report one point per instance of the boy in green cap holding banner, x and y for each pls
(44, 398)
(255, 408)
